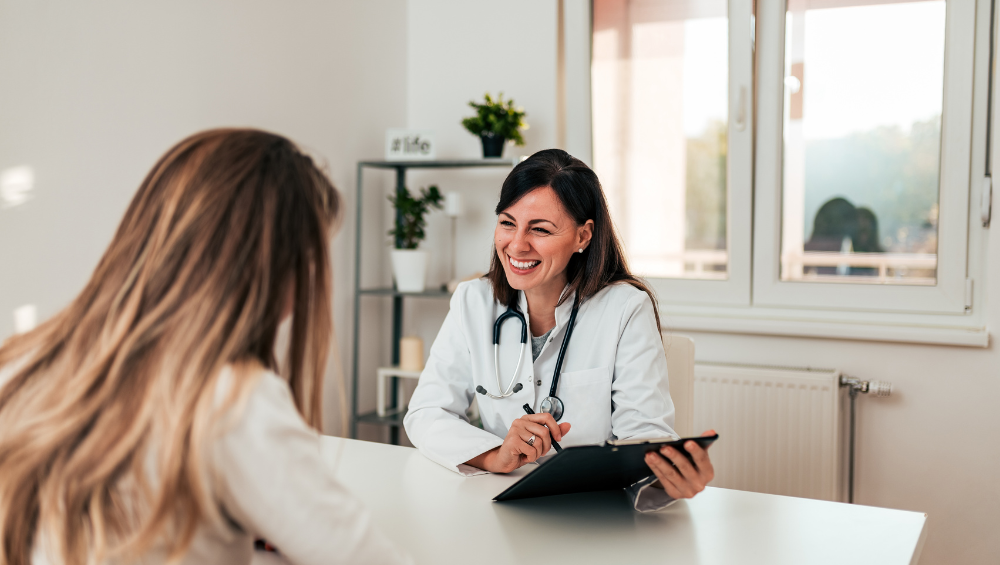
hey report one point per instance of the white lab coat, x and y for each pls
(613, 382)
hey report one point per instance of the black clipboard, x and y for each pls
(589, 468)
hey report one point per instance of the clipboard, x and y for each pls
(588, 468)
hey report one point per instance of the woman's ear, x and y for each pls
(585, 233)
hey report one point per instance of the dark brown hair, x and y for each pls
(603, 262)
(119, 389)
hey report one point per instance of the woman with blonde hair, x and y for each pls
(147, 422)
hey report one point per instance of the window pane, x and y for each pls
(660, 119)
(864, 84)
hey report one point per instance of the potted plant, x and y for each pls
(409, 264)
(495, 123)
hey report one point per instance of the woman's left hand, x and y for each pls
(685, 478)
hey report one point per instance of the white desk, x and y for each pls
(441, 517)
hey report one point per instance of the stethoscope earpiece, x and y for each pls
(511, 387)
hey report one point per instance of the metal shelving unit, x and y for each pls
(394, 420)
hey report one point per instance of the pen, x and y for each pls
(530, 411)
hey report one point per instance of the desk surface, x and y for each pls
(441, 517)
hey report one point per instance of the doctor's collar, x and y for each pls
(563, 310)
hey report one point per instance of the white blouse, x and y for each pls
(613, 382)
(271, 482)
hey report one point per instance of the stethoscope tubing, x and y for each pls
(513, 388)
(562, 350)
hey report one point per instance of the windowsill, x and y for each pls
(944, 330)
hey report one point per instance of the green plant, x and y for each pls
(410, 222)
(497, 117)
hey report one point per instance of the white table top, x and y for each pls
(441, 517)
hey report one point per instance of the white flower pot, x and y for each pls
(409, 268)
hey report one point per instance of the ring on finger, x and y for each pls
(531, 441)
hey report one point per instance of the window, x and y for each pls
(886, 102)
(862, 138)
(833, 176)
(670, 129)
(660, 127)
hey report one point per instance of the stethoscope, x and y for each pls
(551, 404)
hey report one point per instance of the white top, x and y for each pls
(272, 483)
(613, 382)
(438, 516)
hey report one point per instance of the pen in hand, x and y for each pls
(530, 411)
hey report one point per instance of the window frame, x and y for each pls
(735, 289)
(746, 309)
(948, 295)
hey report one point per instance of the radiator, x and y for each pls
(780, 429)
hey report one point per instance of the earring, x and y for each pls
(580, 250)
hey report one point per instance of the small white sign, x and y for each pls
(409, 145)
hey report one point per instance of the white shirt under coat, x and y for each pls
(613, 382)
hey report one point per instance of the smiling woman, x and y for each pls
(558, 265)
(563, 209)
(535, 250)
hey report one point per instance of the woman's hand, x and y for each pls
(516, 450)
(684, 478)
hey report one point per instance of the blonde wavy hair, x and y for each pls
(228, 228)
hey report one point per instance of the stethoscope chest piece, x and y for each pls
(552, 405)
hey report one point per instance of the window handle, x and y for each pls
(986, 201)
(741, 110)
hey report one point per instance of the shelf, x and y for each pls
(442, 164)
(394, 292)
(384, 373)
(392, 419)
(400, 169)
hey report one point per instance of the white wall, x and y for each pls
(460, 50)
(94, 92)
